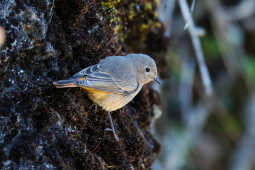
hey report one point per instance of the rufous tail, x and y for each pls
(65, 83)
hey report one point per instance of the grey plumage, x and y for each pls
(120, 78)
(114, 81)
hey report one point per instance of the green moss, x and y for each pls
(141, 21)
(132, 20)
(110, 3)
(110, 7)
(131, 14)
(148, 6)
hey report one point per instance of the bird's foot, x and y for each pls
(112, 127)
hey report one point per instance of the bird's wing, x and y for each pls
(108, 76)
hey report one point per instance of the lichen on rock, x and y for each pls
(46, 128)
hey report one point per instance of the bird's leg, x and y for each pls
(112, 126)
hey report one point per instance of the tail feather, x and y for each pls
(65, 83)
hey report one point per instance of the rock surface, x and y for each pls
(46, 128)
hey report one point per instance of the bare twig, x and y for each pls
(191, 9)
(165, 11)
(243, 10)
(186, 85)
(228, 35)
(197, 47)
(193, 5)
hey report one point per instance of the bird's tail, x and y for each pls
(65, 83)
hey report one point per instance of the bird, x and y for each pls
(114, 81)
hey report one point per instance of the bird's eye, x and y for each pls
(148, 69)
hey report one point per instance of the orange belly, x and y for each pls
(96, 94)
(108, 101)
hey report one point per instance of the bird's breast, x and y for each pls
(109, 101)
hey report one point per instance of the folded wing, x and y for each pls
(115, 76)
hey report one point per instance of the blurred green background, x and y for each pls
(197, 131)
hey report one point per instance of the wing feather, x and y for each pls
(103, 77)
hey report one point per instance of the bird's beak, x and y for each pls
(157, 80)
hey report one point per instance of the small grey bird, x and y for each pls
(114, 81)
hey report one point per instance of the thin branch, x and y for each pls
(186, 85)
(197, 47)
(165, 11)
(193, 5)
(245, 9)
(228, 36)
(191, 9)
